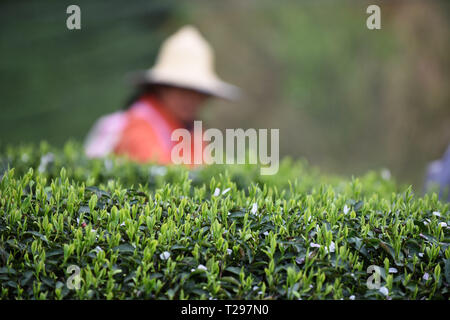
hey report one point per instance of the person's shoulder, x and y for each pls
(104, 134)
(112, 119)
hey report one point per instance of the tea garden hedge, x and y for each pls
(218, 232)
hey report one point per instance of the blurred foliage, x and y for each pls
(346, 98)
(49, 160)
(56, 82)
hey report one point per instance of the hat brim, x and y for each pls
(216, 88)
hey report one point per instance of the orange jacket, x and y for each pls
(147, 134)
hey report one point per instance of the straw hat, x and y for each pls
(186, 60)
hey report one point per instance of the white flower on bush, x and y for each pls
(384, 291)
(443, 224)
(393, 270)
(229, 251)
(216, 192)
(202, 267)
(331, 248)
(421, 254)
(45, 160)
(314, 245)
(426, 276)
(346, 209)
(158, 171)
(437, 213)
(98, 249)
(165, 255)
(300, 260)
(386, 174)
(254, 209)
(25, 157)
(225, 191)
(199, 267)
(266, 233)
(108, 164)
(352, 297)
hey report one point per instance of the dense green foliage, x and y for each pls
(146, 231)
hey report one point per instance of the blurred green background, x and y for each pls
(346, 98)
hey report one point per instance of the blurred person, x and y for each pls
(438, 175)
(168, 96)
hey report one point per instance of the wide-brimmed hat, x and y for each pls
(186, 60)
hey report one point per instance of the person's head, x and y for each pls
(184, 104)
(185, 60)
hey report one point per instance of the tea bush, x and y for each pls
(218, 232)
